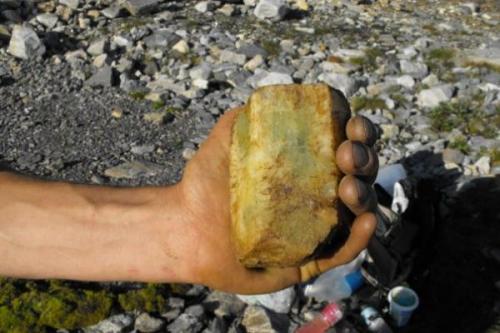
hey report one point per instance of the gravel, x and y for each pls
(123, 93)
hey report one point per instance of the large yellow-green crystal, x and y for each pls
(284, 179)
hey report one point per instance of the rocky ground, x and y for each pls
(123, 92)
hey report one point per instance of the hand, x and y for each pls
(205, 191)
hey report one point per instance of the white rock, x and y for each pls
(431, 80)
(181, 47)
(114, 324)
(49, 20)
(275, 78)
(188, 153)
(254, 63)
(147, 324)
(389, 131)
(204, 6)
(202, 71)
(429, 98)
(417, 70)
(98, 47)
(73, 4)
(271, 9)
(232, 57)
(342, 82)
(25, 43)
(483, 165)
(100, 60)
(406, 81)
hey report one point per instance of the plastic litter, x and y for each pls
(337, 283)
(329, 316)
(390, 175)
(374, 322)
(402, 302)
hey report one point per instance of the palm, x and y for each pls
(205, 186)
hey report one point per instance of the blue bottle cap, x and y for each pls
(354, 280)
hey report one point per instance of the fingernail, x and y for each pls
(359, 155)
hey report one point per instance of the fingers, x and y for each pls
(361, 129)
(356, 158)
(361, 232)
(357, 195)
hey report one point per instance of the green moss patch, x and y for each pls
(368, 103)
(43, 306)
(466, 115)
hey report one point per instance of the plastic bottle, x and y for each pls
(335, 286)
(374, 322)
(329, 316)
(321, 287)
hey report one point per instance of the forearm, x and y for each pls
(82, 232)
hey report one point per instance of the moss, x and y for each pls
(441, 54)
(152, 298)
(461, 144)
(133, 22)
(271, 46)
(483, 64)
(369, 103)
(35, 307)
(158, 104)
(369, 61)
(441, 61)
(137, 95)
(466, 115)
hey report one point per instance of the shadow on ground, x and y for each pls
(454, 275)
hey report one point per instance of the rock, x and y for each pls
(389, 131)
(142, 150)
(406, 81)
(161, 38)
(98, 47)
(254, 63)
(102, 78)
(483, 166)
(431, 80)
(148, 324)
(115, 324)
(224, 304)
(25, 43)
(188, 153)
(227, 9)
(100, 60)
(429, 98)
(48, 20)
(251, 50)
(274, 78)
(271, 9)
(489, 56)
(204, 6)
(176, 302)
(112, 11)
(271, 115)
(257, 320)
(4, 33)
(140, 7)
(280, 301)
(417, 70)
(195, 310)
(133, 170)
(453, 156)
(73, 4)
(342, 82)
(185, 323)
(232, 57)
(470, 7)
(181, 46)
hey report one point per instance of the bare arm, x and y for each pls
(82, 232)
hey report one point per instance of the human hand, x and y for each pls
(205, 192)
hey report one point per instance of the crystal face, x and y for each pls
(283, 175)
